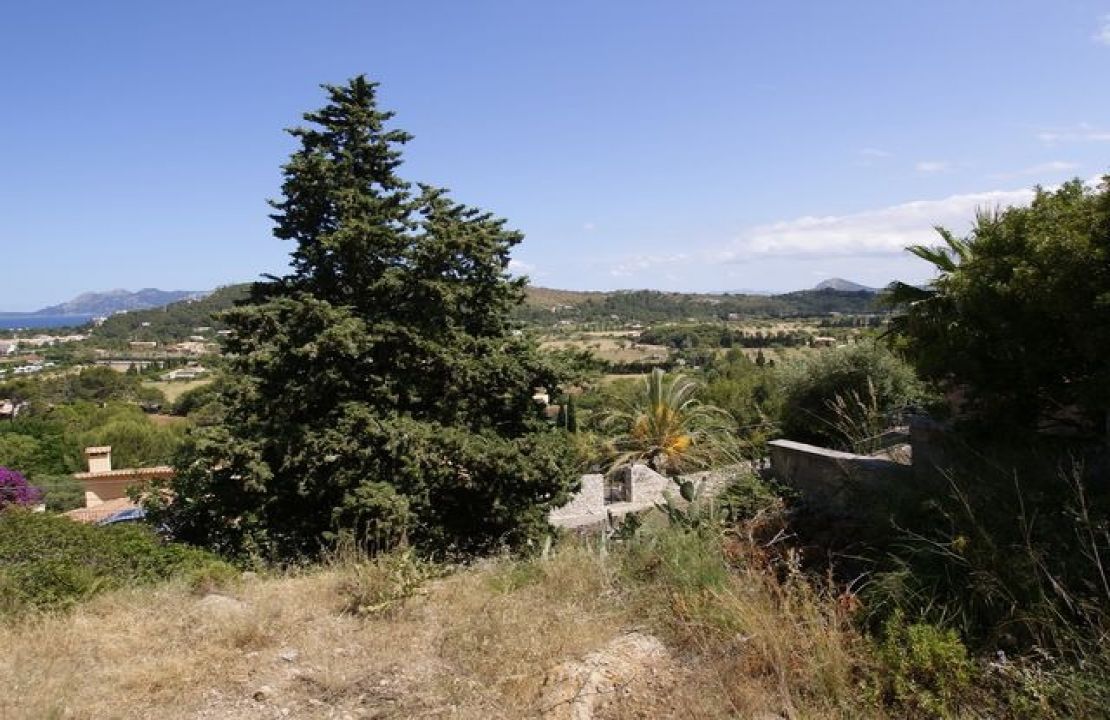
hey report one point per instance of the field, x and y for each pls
(175, 388)
(615, 347)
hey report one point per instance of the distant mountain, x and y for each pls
(113, 301)
(843, 286)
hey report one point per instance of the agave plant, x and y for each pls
(668, 429)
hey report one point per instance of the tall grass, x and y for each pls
(1016, 559)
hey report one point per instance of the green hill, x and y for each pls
(174, 322)
(545, 306)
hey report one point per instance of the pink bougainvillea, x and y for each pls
(15, 490)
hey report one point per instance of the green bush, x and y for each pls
(49, 562)
(922, 668)
(683, 561)
(1011, 559)
(135, 440)
(379, 585)
(745, 497)
(195, 399)
(836, 397)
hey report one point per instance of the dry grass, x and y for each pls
(611, 348)
(477, 643)
(173, 389)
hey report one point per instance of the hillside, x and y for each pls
(549, 297)
(114, 301)
(173, 322)
(843, 285)
(545, 306)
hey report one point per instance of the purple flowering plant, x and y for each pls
(15, 490)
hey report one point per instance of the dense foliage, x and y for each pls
(378, 388)
(93, 384)
(171, 323)
(840, 396)
(685, 336)
(653, 306)
(15, 490)
(67, 413)
(746, 388)
(47, 561)
(51, 443)
(1018, 317)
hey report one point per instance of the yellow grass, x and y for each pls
(479, 643)
(610, 347)
(173, 389)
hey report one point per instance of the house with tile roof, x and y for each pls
(106, 489)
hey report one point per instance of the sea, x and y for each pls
(16, 321)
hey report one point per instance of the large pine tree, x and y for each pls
(377, 388)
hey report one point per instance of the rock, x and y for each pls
(263, 693)
(572, 689)
(288, 654)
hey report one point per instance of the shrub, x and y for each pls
(922, 667)
(48, 562)
(830, 395)
(1012, 560)
(379, 585)
(745, 497)
(15, 490)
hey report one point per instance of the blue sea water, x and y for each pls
(15, 321)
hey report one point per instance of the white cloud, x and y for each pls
(870, 156)
(1103, 34)
(1082, 132)
(1047, 168)
(883, 231)
(517, 267)
(639, 263)
(933, 166)
(589, 226)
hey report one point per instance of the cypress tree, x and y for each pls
(377, 388)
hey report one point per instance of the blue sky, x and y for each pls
(678, 145)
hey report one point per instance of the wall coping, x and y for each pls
(817, 450)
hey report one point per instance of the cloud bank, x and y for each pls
(884, 231)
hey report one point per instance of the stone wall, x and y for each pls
(838, 482)
(588, 507)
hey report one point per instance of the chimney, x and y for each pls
(100, 459)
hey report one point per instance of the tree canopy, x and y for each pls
(1018, 317)
(378, 387)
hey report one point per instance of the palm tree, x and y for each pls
(668, 429)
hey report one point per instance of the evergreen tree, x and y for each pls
(377, 388)
(1018, 316)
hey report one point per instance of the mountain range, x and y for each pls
(113, 301)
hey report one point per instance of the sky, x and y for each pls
(697, 145)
